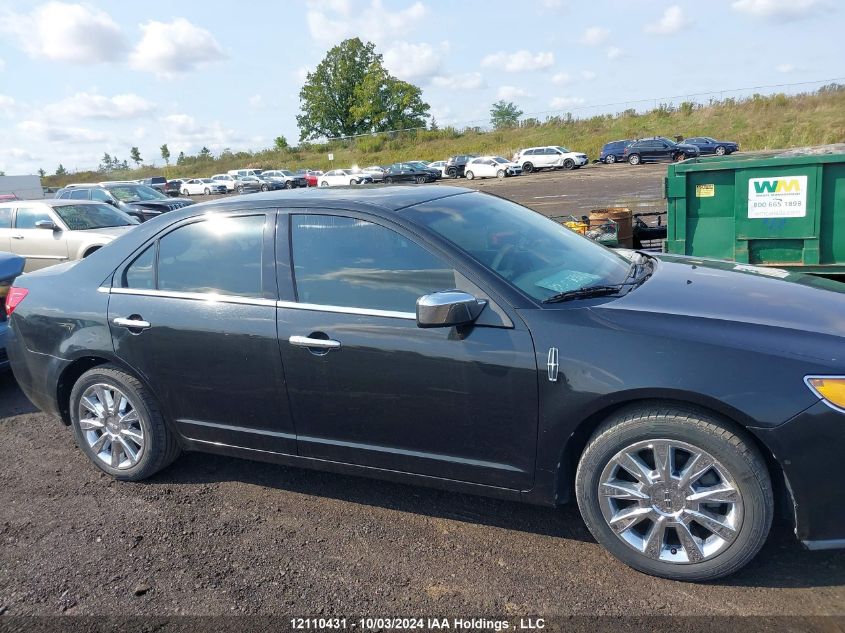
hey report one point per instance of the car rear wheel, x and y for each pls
(207, 191)
(185, 192)
(324, 184)
(420, 180)
(610, 159)
(289, 184)
(469, 175)
(568, 163)
(500, 174)
(527, 168)
(634, 159)
(674, 492)
(720, 150)
(118, 424)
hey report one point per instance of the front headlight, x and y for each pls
(831, 389)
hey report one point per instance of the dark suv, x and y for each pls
(139, 201)
(614, 151)
(159, 183)
(652, 150)
(455, 165)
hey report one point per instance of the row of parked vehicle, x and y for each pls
(659, 148)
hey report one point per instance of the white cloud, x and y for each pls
(60, 133)
(465, 81)
(778, 8)
(595, 36)
(412, 62)
(511, 92)
(91, 106)
(673, 20)
(168, 49)
(518, 62)
(786, 68)
(588, 75)
(21, 154)
(185, 133)
(553, 4)
(66, 32)
(614, 53)
(561, 78)
(559, 103)
(7, 105)
(330, 21)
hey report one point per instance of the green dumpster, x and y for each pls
(786, 211)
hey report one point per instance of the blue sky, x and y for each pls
(81, 78)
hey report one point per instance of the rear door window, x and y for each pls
(79, 194)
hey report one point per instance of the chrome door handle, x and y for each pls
(17, 237)
(131, 323)
(305, 341)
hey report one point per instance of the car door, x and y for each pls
(40, 247)
(5, 228)
(194, 314)
(368, 387)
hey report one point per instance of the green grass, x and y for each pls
(757, 123)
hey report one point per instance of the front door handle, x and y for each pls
(17, 236)
(133, 324)
(319, 343)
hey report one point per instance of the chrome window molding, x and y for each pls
(292, 305)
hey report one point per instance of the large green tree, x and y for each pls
(350, 92)
(504, 114)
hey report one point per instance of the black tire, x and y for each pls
(265, 188)
(289, 184)
(568, 163)
(679, 157)
(452, 173)
(469, 175)
(634, 159)
(610, 159)
(161, 446)
(421, 180)
(527, 168)
(324, 184)
(501, 174)
(207, 191)
(735, 453)
(239, 189)
(720, 150)
(185, 193)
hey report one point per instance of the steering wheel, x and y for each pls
(497, 259)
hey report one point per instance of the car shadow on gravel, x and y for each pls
(783, 562)
(12, 400)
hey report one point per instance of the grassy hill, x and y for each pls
(758, 123)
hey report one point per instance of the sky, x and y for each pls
(78, 79)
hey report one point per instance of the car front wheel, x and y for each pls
(118, 425)
(469, 175)
(207, 191)
(674, 492)
(568, 163)
(720, 151)
(500, 174)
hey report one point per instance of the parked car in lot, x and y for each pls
(424, 166)
(159, 183)
(240, 173)
(708, 145)
(376, 171)
(49, 232)
(614, 151)
(230, 181)
(405, 172)
(310, 176)
(10, 267)
(287, 178)
(139, 201)
(455, 164)
(652, 150)
(202, 186)
(439, 165)
(549, 157)
(491, 167)
(173, 187)
(342, 177)
(250, 184)
(504, 355)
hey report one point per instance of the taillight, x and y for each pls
(13, 299)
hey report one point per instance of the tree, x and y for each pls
(432, 125)
(60, 170)
(504, 114)
(280, 143)
(42, 173)
(105, 163)
(165, 154)
(350, 93)
(180, 160)
(205, 153)
(135, 156)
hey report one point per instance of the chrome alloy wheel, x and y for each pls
(670, 501)
(111, 425)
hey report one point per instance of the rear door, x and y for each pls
(5, 229)
(375, 390)
(40, 247)
(194, 313)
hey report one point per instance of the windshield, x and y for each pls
(537, 255)
(207, 180)
(81, 217)
(499, 159)
(134, 193)
(562, 149)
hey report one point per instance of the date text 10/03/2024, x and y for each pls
(410, 624)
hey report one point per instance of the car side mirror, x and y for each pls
(47, 225)
(448, 309)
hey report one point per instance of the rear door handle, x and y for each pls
(322, 343)
(136, 324)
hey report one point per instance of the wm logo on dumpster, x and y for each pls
(777, 185)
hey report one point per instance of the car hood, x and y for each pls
(772, 308)
(161, 205)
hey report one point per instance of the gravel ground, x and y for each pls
(215, 535)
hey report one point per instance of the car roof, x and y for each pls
(50, 202)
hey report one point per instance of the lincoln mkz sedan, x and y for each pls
(447, 337)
